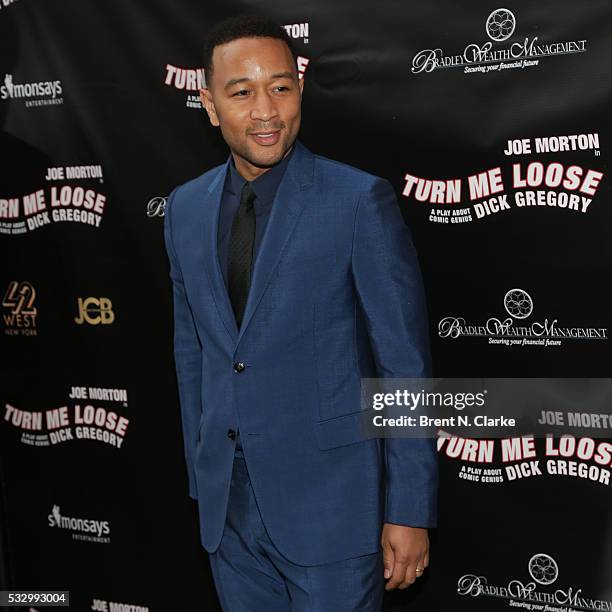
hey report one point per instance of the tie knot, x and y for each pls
(247, 195)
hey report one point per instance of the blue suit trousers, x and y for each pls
(252, 576)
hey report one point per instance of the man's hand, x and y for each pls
(405, 550)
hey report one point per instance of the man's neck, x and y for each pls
(249, 172)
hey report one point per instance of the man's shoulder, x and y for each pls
(343, 175)
(187, 197)
(200, 182)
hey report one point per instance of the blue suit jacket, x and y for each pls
(336, 295)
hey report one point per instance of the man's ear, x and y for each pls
(207, 103)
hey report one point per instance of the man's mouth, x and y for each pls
(266, 138)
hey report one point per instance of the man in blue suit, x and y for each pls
(294, 276)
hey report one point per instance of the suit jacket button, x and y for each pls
(239, 366)
(231, 434)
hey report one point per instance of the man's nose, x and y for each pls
(264, 108)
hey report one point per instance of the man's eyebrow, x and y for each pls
(235, 81)
(282, 75)
(277, 75)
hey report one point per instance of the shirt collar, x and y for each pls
(265, 185)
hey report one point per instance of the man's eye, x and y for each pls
(239, 93)
(283, 87)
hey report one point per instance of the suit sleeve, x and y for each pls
(389, 287)
(187, 354)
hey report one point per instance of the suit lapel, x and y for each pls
(212, 206)
(290, 198)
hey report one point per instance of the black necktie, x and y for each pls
(241, 242)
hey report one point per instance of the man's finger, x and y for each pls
(421, 565)
(399, 573)
(388, 560)
(409, 577)
(412, 573)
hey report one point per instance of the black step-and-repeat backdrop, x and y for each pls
(493, 124)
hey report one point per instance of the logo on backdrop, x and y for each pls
(302, 64)
(543, 569)
(297, 30)
(19, 314)
(484, 57)
(37, 93)
(59, 202)
(532, 594)
(88, 530)
(543, 185)
(516, 330)
(500, 24)
(498, 461)
(189, 80)
(518, 303)
(156, 207)
(102, 605)
(90, 413)
(94, 311)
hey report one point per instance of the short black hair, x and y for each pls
(242, 26)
